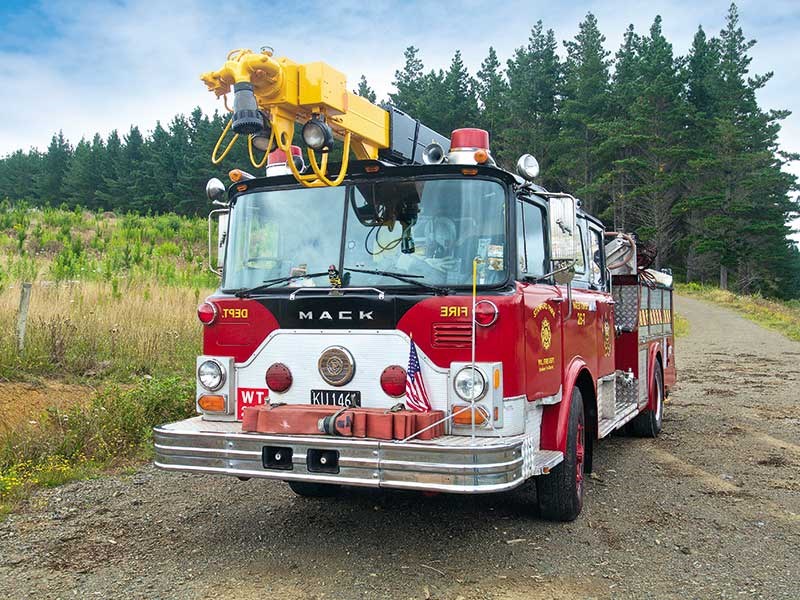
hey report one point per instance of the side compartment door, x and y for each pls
(542, 304)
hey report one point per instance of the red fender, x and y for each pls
(555, 417)
(653, 352)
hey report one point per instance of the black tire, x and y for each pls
(560, 494)
(648, 424)
(308, 489)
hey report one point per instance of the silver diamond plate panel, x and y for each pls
(642, 381)
(533, 429)
(627, 392)
(626, 306)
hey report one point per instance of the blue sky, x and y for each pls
(85, 66)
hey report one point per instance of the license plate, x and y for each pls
(336, 397)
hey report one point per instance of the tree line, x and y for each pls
(675, 148)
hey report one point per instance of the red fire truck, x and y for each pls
(423, 320)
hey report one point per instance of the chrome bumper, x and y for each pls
(448, 464)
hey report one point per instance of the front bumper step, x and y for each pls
(457, 464)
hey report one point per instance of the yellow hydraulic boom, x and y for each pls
(272, 94)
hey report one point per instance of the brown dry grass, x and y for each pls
(89, 329)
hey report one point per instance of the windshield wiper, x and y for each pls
(408, 278)
(244, 292)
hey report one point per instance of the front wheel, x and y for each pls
(648, 423)
(560, 494)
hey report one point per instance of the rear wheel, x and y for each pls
(309, 489)
(560, 494)
(648, 424)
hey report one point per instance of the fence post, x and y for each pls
(22, 316)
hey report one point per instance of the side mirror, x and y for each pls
(563, 238)
(215, 190)
(221, 218)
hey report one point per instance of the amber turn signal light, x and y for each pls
(463, 415)
(212, 403)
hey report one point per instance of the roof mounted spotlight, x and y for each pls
(261, 139)
(527, 167)
(317, 134)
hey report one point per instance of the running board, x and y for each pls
(606, 426)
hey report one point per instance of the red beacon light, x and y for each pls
(277, 164)
(470, 146)
(207, 312)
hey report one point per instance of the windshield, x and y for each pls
(428, 230)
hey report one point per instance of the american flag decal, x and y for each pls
(416, 394)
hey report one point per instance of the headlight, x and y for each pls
(211, 375)
(470, 384)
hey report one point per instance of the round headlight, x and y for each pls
(211, 375)
(470, 384)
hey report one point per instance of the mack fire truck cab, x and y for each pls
(431, 322)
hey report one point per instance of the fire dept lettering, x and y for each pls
(235, 313)
(453, 311)
(250, 397)
(342, 315)
(544, 306)
(548, 363)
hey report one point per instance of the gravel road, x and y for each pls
(708, 510)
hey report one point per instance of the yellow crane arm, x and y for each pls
(287, 93)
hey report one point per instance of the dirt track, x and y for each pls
(711, 509)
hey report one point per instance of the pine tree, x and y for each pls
(409, 82)
(459, 104)
(582, 115)
(534, 78)
(492, 90)
(623, 93)
(111, 173)
(650, 142)
(739, 195)
(703, 85)
(56, 164)
(365, 91)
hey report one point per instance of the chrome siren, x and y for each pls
(433, 154)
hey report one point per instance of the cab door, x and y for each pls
(543, 303)
(600, 288)
(580, 329)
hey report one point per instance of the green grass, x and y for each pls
(681, 326)
(113, 429)
(112, 309)
(780, 316)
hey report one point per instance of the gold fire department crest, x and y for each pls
(606, 338)
(547, 334)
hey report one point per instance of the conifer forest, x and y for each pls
(671, 144)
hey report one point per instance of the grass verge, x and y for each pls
(681, 326)
(783, 317)
(112, 429)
